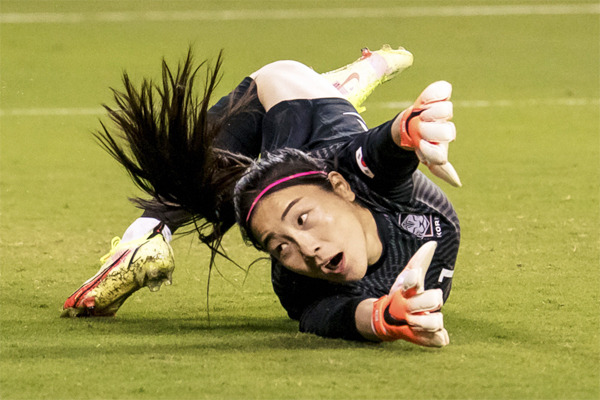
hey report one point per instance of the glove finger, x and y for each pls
(424, 338)
(437, 112)
(412, 279)
(437, 91)
(429, 300)
(419, 263)
(426, 322)
(401, 307)
(433, 154)
(407, 279)
(433, 339)
(447, 173)
(437, 131)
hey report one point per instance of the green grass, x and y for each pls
(524, 313)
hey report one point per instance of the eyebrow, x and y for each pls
(289, 207)
(270, 235)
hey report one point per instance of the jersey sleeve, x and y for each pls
(321, 307)
(333, 317)
(379, 162)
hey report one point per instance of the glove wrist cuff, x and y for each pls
(378, 323)
(409, 138)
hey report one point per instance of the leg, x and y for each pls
(358, 80)
(290, 80)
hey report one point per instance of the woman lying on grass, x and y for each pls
(340, 208)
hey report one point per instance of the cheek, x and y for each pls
(339, 219)
(330, 219)
(296, 264)
(351, 230)
(357, 250)
(344, 229)
(359, 257)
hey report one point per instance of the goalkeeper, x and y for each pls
(341, 209)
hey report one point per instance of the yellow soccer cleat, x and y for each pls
(358, 80)
(128, 267)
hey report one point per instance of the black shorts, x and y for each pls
(310, 124)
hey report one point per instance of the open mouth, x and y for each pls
(336, 260)
(335, 265)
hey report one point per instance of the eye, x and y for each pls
(302, 219)
(280, 250)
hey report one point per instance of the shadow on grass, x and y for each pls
(85, 337)
(50, 336)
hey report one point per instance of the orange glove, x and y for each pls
(425, 127)
(408, 311)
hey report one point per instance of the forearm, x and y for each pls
(390, 164)
(332, 317)
(362, 318)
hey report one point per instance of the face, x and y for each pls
(319, 233)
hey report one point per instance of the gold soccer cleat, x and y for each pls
(128, 267)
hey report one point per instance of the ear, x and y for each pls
(340, 186)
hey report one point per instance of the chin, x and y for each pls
(353, 276)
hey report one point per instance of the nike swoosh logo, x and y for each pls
(352, 76)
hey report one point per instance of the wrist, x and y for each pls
(379, 325)
(363, 319)
(405, 121)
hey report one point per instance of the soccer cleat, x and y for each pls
(358, 80)
(129, 266)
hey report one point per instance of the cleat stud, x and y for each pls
(154, 287)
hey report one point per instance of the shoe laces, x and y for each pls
(114, 243)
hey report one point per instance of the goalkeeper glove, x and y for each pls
(408, 312)
(425, 127)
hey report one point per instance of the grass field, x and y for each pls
(524, 314)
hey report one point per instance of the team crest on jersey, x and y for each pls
(362, 164)
(421, 225)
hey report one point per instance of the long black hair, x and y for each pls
(163, 135)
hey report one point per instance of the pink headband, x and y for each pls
(277, 182)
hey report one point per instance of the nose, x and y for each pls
(309, 247)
